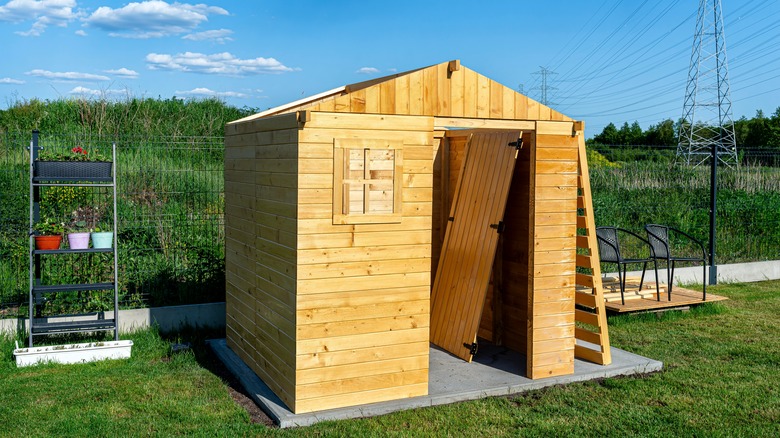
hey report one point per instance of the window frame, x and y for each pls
(340, 146)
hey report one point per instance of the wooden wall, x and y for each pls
(552, 258)
(363, 304)
(441, 90)
(261, 194)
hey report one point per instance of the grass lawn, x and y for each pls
(721, 378)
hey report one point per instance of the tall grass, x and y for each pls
(171, 200)
(132, 116)
(633, 194)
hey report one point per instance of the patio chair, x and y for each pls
(658, 236)
(609, 252)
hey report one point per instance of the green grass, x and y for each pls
(720, 378)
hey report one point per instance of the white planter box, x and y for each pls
(73, 353)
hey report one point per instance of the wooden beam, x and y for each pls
(453, 65)
(303, 117)
(456, 122)
(578, 126)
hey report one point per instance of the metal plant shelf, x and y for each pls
(72, 251)
(91, 175)
(72, 287)
(45, 328)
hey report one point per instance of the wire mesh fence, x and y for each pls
(638, 185)
(170, 216)
(171, 204)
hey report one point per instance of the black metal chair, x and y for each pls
(658, 236)
(609, 252)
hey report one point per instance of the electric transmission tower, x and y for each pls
(706, 118)
(545, 87)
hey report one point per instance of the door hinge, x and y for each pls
(499, 227)
(516, 144)
(472, 347)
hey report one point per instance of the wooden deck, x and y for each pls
(645, 299)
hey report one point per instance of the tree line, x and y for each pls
(757, 132)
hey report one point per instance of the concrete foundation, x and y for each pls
(495, 371)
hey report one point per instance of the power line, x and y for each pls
(633, 69)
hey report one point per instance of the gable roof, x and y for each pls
(447, 89)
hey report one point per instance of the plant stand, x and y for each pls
(93, 175)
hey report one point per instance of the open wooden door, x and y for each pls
(470, 241)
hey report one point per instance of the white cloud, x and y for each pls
(81, 32)
(84, 91)
(151, 19)
(67, 76)
(10, 81)
(367, 70)
(43, 13)
(219, 36)
(123, 72)
(205, 92)
(218, 63)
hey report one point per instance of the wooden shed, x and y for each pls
(431, 206)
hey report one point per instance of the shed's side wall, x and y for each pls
(260, 247)
(363, 291)
(553, 219)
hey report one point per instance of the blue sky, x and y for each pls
(612, 60)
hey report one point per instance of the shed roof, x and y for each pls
(447, 89)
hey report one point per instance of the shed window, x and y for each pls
(367, 181)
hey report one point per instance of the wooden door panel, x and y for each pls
(470, 241)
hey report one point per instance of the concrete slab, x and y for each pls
(495, 371)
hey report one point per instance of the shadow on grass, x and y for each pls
(195, 339)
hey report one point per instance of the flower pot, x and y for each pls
(102, 239)
(48, 242)
(78, 240)
(72, 170)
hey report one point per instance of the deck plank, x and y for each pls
(645, 300)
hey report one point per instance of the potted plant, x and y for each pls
(72, 164)
(83, 220)
(101, 238)
(48, 234)
(78, 237)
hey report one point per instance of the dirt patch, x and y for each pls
(235, 389)
(255, 413)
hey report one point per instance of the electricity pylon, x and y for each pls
(545, 87)
(706, 117)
